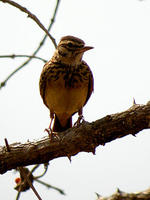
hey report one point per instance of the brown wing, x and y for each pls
(43, 80)
(50, 71)
(91, 87)
(91, 83)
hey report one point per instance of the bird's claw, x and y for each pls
(52, 135)
(79, 120)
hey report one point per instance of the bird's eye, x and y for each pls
(70, 44)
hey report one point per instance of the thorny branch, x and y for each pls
(2, 84)
(120, 195)
(85, 138)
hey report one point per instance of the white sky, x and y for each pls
(119, 30)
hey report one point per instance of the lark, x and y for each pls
(66, 83)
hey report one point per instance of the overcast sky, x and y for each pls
(119, 31)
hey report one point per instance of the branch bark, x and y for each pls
(120, 195)
(85, 138)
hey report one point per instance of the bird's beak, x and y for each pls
(83, 49)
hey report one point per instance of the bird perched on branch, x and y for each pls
(66, 83)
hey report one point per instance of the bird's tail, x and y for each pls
(57, 127)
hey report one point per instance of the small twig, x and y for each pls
(34, 168)
(7, 145)
(2, 84)
(50, 186)
(24, 185)
(22, 56)
(32, 16)
(18, 195)
(45, 170)
(29, 182)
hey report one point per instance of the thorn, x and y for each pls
(93, 151)
(7, 145)
(133, 134)
(69, 157)
(134, 102)
(103, 144)
(99, 197)
(119, 191)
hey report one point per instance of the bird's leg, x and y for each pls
(51, 117)
(80, 117)
(49, 130)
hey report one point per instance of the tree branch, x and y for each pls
(22, 56)
(120, 195)
(85, 138)
(32, 16)
(2, 84)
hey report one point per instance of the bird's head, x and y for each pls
(71, 49)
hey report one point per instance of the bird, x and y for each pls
(66, 83)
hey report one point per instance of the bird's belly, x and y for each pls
(64, 101)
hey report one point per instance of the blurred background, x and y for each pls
(119, 31)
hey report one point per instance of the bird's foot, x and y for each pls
(79, 120)
(52, 135)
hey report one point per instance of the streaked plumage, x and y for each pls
(66, 82)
